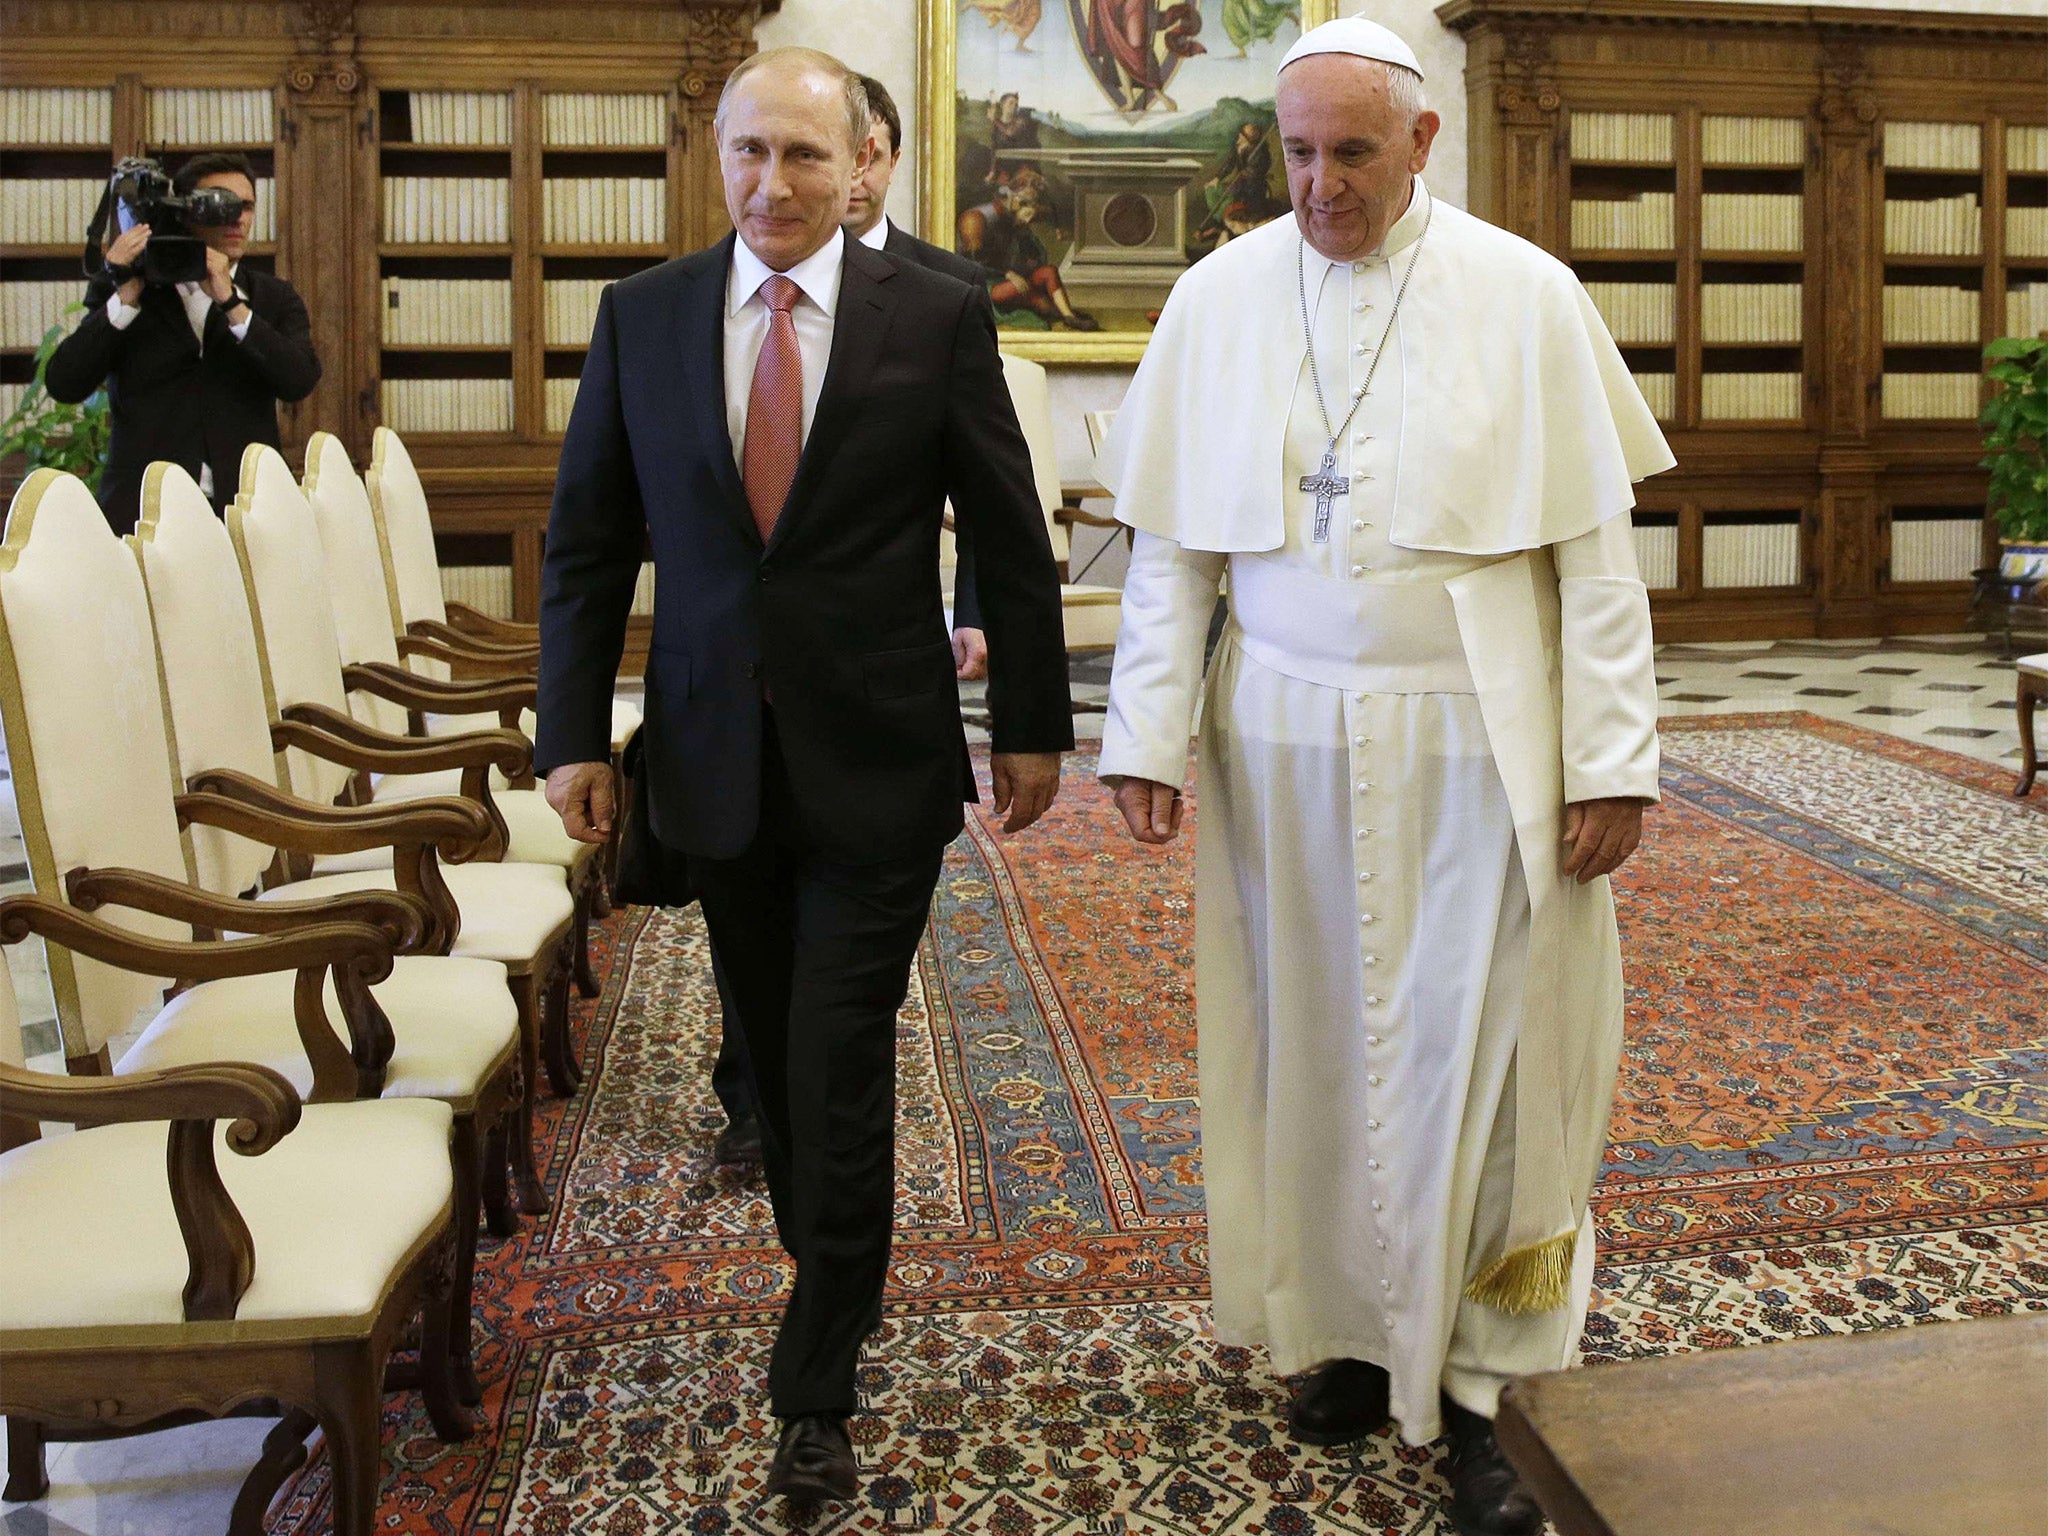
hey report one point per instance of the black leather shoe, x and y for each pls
(739, 1144)
(1487, 1494)
(814, 1462)
(1341, 1401)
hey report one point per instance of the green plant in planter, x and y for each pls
(53, 435)
(2016, 438)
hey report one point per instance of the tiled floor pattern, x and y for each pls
(1951, 692)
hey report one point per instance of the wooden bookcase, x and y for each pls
(1796, 221)
(362, 93)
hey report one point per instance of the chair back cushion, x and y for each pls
(284, 571)
(1032, 398)
(11, 1052)
(89, 748)
(405, 534)
(206, 646)
(355, 568)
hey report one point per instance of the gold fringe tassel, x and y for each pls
(1528, 1280)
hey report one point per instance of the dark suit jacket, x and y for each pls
(901, 243)
(840, 617)
(170, 400)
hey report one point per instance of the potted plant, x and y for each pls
(2015, 426)
(50, 434)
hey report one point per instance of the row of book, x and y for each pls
(1660, 393)
(1751, 396)
(1927, 396)
(1933, 146)
(486, 588)
(569, 309)
(1734, 555)
(1640, 138)
(1637, 314)
(56, 115)
(460, 117)
(29, 309)
(48, 212)
(2026, 309)
(10, 399)
(212, 116)
(2026, 231)
(589, 118)
(446, 405)
(1934, 226)
(1746, 141)
(454, 210)
(1751, 314)
(604, 209)
(1639, 223)
(1752, 221)
(1937, 548)
(558, 400)
(1657, 556)
(1923, 316)
(447, 311)
(2026, 149)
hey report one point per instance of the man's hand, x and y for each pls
(1151, 809)
(125, 250)
(220, 283)
(1026, 784)
(970, 655)
(581, 794)
(1601, 834)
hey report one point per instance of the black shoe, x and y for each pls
(1487, 1494)
(1340, 1401)
(739, 1144)
(814, 1461)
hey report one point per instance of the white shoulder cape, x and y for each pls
(1524, 429)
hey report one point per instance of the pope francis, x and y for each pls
(1409, 444)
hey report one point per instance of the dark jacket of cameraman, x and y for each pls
(197, 406)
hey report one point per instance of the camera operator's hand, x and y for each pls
(220, 285)
(126, 251)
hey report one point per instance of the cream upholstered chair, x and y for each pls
(362, 623)
(433, 632)
(519, 914)
(100, 816)
(1091, 613)
(161, 1262)
(454, 1023)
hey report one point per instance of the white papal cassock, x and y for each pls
(1363, 898)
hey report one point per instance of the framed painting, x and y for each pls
(1087, 152)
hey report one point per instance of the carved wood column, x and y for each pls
(720, 34)
(321, 134)
(1845, 555)
(1528, 197)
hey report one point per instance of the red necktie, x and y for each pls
(775, 410)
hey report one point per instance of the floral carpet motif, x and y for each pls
(1833, 1115)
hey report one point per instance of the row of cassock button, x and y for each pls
(1372, 1000)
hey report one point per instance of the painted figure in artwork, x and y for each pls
(1239, 196)
(1021, 276)
(1256, 21)
(1017, 17)
(1137, 44)
(1012, 128)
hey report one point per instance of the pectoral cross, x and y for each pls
(1326, 484)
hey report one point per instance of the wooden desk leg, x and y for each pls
(1553, 1486)
(2032, 691)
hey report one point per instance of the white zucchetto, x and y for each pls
(1357, 36)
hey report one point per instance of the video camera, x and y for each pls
(140, 193)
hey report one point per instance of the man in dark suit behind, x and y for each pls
(782, 417)
(194, 371)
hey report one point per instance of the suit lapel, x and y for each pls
(700, 328)
(858, 331)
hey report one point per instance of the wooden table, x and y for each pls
(1934, 1430)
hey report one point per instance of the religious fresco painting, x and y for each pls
(1087, 152)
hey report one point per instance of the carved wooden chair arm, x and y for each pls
(402, 920)
(504, 696)
(220, 1253)
(475, 647)
(363, 746)
(464, 651)
(455, 826)
(1070, 515)
(475, 621)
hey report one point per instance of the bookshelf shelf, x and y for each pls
(445, 248)
(604, 249)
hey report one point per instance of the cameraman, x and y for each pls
(194, 371)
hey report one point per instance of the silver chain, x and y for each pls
(1308, 334)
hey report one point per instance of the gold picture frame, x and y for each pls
(1120, 190)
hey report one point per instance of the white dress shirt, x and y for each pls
(746, 328)
(878, 237)
(197, 302)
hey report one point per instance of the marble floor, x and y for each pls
(1953, 692)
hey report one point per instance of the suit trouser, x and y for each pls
(816, 956)
(732, 1075)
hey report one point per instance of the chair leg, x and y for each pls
(28, 1475)
(284, 1452)
(579, 954)
(2030, 695)
(565, 1073)
(500, 1218)
(348, 1391)
(440, 1329)
(462, 1275)
(531, 1195)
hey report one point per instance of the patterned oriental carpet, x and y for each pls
(1833, 1115)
